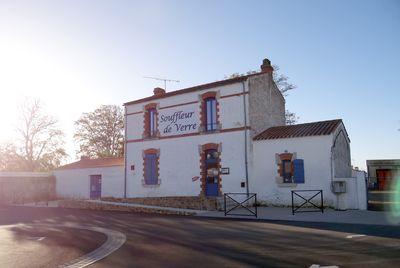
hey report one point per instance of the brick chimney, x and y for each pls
(158, 91)
(266, 66)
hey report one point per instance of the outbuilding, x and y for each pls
(383, 184)
(91, 178)
(308, 156)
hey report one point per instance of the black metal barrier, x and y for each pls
(295, 209)
(240, 202)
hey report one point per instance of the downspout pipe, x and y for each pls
(245, 138)
(125, 151)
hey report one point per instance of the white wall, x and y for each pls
(75, 183)
(317, 168)
(180, 162)
(356, 192)
(361, 189)
(180, 156)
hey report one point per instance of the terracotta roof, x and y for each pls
(94, 163)
(195, 88)
(300, 130)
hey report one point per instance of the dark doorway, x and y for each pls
(384, 178)
(212, 172)
(95, 186)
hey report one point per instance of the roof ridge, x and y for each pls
(194, 88)
(93, 163)
(323, 121)
(318, 128)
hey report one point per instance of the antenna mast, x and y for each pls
(162, 79)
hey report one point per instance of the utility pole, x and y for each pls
(162, 79)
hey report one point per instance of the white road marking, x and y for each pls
(114, 241)
(353, 236)
(319, 266)
(37, 238)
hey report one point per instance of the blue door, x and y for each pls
(212, 186)
(212, 172)
(95, 186)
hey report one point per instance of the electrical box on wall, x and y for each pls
(132, 167)
(339, 187)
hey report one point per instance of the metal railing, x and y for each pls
(240, 204)
(307, 200)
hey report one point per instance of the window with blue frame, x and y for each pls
(152, 114)
(151, 169)
(292, 170)
(211, 114)
(287, 171)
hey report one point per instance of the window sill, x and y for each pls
(151, 185)
(202, 130)
(214, 131)
(291, 185)
(206, 132)
(279, 181)
(150, 137)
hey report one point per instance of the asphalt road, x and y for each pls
(172, 241)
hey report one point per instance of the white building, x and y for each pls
(91, 178)
(222, 137)
(229, 136)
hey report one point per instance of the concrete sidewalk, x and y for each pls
(268, 213)
(179, 211)
(329, 215)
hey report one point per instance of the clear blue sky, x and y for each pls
(343, 56)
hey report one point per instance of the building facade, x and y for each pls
(210, 139)
(222, 137)
(383, 184)
(177, 143)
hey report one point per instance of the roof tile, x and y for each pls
(94, 163)
(300, 130)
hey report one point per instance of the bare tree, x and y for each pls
(9, 159)
(290, 118)
(282, 81)
(39, 141)
(284, 86)
(101, 133)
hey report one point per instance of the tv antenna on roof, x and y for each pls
(162, 79)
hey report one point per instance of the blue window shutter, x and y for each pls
(154, 169)
(151, 176)
(298, 165)
(211, 114)
(148, 169)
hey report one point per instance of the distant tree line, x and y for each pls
(101, 133)
(38, 143)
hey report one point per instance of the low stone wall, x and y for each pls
(82, 204)
(187, 202)
(26, 187)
